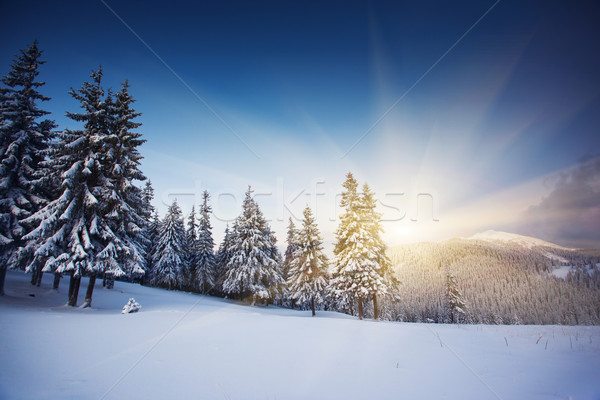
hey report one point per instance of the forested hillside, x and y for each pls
(500, 281)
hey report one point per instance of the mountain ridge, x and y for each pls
(506, 237)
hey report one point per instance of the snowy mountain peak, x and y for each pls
(525, 241)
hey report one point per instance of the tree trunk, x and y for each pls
(2, 279)
(74, 290)
(38, 281)
(360, 308)
(89, 292)
(71, 286)
(375, 308)
(312, 306)
(34, 275)
(56, 281)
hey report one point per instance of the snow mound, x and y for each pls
(131, 307)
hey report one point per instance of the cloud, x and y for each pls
(570, 214)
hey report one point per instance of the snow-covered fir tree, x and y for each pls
(292, 245)
(221, 261)
(191, 233)
(279, 290)
(252, 271)
(205, 267)
(169, 257)
(124, 199)
(308, 264)
(370, 220)
(456, 304)
(153, 231)
(24, 142)
(74, 234)
(152, 220)
(356, 274)
(147, 198)
(191, 248)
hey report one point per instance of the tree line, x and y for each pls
(71, 204)
(249, 267)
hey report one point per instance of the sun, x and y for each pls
(404, 230)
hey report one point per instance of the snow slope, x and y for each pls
(188, 346)
(525, 241)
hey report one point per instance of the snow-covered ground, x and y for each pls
(562, 271)
(524, 241)
(188, 346)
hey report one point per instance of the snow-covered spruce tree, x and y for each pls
(370, 219)
(342, 278)
(279, 290)
(356, 271)
(252, 272)
(24, 141)
(456, 304)
(292, 245)
(205, 259)
(151, 227)
(169, 257)
(124, 200)
(308, 264)
(221, 261)
(153, 231)
(147, 197)
(74, 234)
(191, 248)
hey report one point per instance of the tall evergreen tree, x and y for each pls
(152, 221)
(292, 245)
(191, 234)
(355, 275)
(125, 200)
(308, 272)
(153, 236)
(147, 198)
(456, 304)
(280, 289)
(169, 257)
(221, 261)
(206, 261)
(370, 219)
(252, 270)
(74, 234)
(191, 246)
(24, 142)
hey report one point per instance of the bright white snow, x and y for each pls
(563, 270)
(189, 346)
(525, 241)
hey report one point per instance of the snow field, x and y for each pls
(183, 345)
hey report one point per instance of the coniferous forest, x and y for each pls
(74, 203)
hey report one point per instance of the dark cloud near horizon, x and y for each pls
(570, 214)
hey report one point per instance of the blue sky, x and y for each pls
(506, 115)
